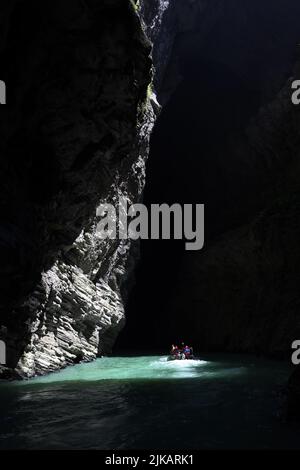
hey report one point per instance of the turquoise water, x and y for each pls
(126, 368)
(149, 403)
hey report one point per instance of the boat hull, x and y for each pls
(180, 357)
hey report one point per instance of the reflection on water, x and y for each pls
(148, 402)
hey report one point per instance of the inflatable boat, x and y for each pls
(180, 357)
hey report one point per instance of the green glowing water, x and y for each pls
(118, 368)
(147, 402)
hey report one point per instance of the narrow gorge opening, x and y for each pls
(221, 72)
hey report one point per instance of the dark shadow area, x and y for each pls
(238, 67)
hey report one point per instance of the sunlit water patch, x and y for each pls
(127, 368)
(149, 402)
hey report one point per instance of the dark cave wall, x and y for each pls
(242, 290)
(200, 28)
(228, 136)
(240, 294)
(74, 133)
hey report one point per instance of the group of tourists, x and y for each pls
(184, 352)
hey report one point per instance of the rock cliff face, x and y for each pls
(74, 134)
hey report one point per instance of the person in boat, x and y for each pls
(187, 351)
(174, 350)
(180, 352)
